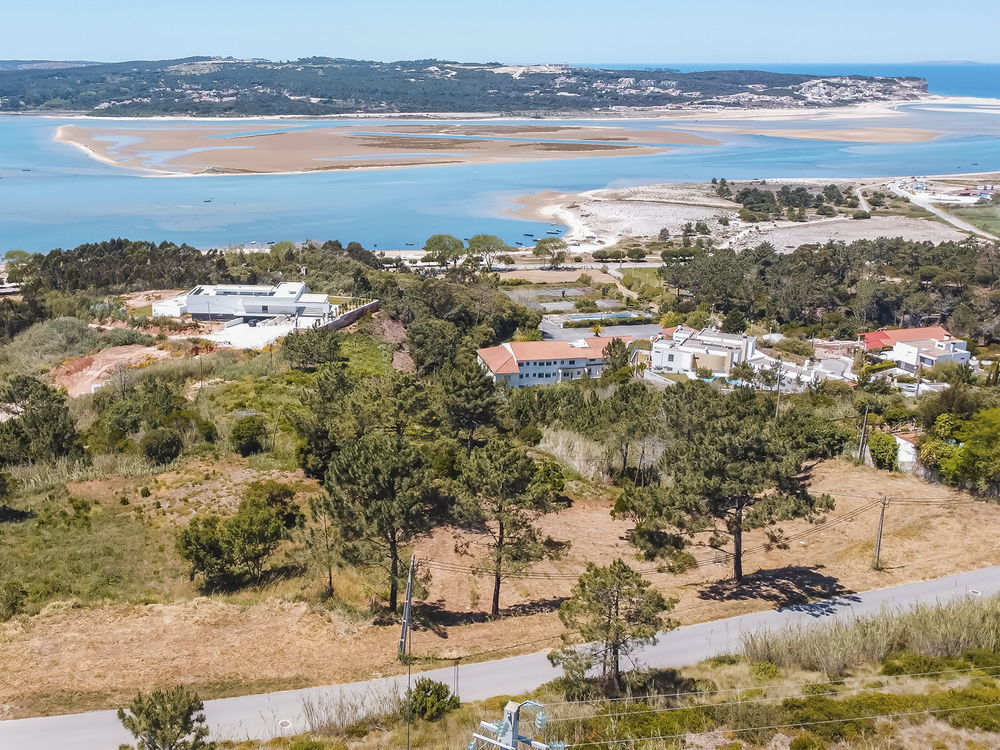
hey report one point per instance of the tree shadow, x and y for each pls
(434, 617)
(14, 515)
(797, 588)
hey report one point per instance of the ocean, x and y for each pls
(53, 195)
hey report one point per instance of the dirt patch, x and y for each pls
(144, 299)
(786, 236)
(87, 374)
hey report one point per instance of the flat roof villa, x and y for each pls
(229, 301)
(526, 363)
(684, 350)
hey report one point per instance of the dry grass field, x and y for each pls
(71, 657)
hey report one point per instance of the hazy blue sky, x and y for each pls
(508, 30)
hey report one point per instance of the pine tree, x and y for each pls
(380, 499)
(470, 399)
(731, 467)
(617, 611)
(501, 504)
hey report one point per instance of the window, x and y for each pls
(263, 308)
(670, 358)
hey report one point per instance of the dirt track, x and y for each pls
(86, 374)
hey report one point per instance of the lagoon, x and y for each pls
(54, 195)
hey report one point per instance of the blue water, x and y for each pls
(945, 79)
(54, 195)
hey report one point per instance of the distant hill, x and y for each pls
(322, 85)
(42, 64)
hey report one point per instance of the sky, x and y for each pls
(520, 31)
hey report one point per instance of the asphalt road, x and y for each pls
(285, 713)
(917, 200)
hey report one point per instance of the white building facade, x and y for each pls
(230, 301)
(922, 354)
(520, 364)
(684, 350)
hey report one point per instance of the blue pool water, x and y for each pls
(54, 195)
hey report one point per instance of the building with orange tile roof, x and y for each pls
(884, 338)
(525, 363)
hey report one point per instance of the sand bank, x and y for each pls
(230, 148)
(600, 218)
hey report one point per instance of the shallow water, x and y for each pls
(54, 195)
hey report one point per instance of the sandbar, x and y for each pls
(231, 148)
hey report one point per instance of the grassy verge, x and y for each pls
(986, 218)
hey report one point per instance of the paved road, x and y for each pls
(276, 714)
(916, 200)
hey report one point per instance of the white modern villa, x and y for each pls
(232, 301)
(684, 350)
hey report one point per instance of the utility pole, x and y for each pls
(777, 399)
(863, 437)
(881, 525)
(406, 642)
(507, 731)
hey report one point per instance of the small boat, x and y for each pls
(528, 234)
(552, 233)
(207, 201)
(409, 244)
(519, 244)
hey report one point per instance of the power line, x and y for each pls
(788, 726)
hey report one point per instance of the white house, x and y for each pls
(684, 350)
(525, 363)
(230, 301)
(921, 354)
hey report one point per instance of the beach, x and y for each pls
(600, 218)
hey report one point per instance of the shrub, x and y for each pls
(249, 434)
(429, 700)
(765, 670)
(530, 435)
(861, 215)
(167, 719)
(725, 660)
(801, 347)
(161, 446)
(125, 337)
(12, 598)
(310, 348)
(884, 450)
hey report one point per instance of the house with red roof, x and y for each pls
(889, 338)
(524, 363)
(914, 349)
